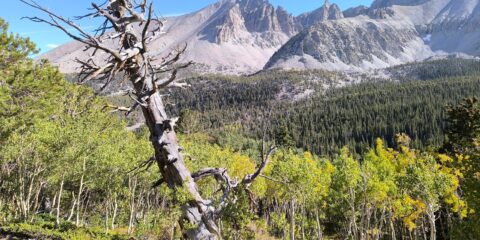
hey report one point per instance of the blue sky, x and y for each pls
(46, 37)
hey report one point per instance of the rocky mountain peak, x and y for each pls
(356, 11)
(326, 12)
(237, 18)
(252, 5)
(326, 3)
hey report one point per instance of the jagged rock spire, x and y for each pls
(326, 3)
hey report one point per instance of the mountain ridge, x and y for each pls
(245, 36)
(435, 27)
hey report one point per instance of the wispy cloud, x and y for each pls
(172, 14)
(51, 45)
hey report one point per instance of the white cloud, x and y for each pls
(52, 46)
(172, 14)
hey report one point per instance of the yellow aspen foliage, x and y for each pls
(409, 210)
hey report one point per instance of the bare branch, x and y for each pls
(265, 158)
(91, 70)
(179, 85)
(222, 177)
(146, 164)
(273, 179)
(107, 15)
(145, 28)
(170, 59)
(166, 82)
(158, 183)
(116, 108)
(220, 174)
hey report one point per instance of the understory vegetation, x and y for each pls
(379, 160)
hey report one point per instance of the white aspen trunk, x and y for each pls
(82, 222)
(319, 226)
(353, 229)
(115, 209)
(132, 186)
(60, 199)
(392, 229)
(303, 220)
(54, 202)
(432, 218)
(424, 229)
(28, 197)
(80, 190)
(379, 235)
(72, 210)
(292, 219)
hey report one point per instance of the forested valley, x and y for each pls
(381, 159)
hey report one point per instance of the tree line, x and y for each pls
(329, 119)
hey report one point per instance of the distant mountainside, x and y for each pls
(351, 44)
(230, 36)
(388, 33)
(245, 36)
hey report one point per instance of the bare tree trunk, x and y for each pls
(303, 219)
(132, 185)
(115, 209)
(432, 218)
(36, 203)
(80, 190)
(379, 234)
(292, 219)
(319, 226)
(72, 210)
(60, 199)
(352, 227)
(392, 229)
(173, 169)
(82, 222)
(54, 204)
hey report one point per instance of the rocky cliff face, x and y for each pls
(239, 20)
(449, 26)
(356, 11)
(326, 12)
(350, 44)
(388, 33)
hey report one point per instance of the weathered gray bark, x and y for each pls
(132, 31)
